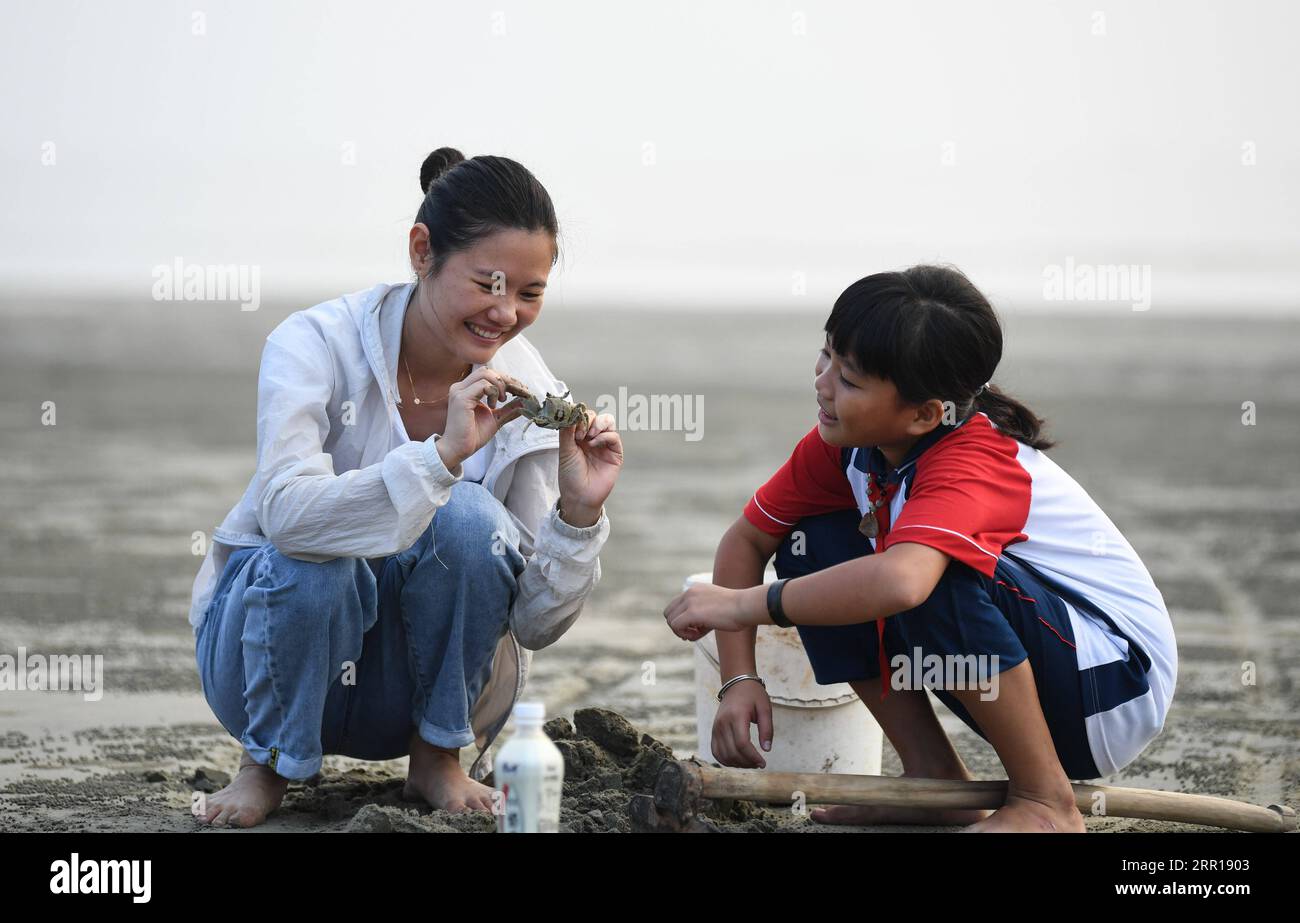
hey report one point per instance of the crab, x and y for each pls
(555, 412)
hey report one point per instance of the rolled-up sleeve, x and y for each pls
(305, 509)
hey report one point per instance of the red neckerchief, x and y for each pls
(882, 527)
(878, 469)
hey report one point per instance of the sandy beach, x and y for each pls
(154, 442)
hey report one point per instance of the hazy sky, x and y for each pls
(697, 152)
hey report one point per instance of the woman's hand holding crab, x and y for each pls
(591, 454)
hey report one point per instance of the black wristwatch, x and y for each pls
(774, 604)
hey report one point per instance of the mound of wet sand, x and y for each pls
(606, 761)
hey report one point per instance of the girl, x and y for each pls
(404, 543)
(920, 523)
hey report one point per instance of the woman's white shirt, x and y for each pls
(475, 467)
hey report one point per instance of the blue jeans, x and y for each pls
(299, 659)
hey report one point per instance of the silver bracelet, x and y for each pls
(735, 679)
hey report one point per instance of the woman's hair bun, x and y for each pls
(437, 164)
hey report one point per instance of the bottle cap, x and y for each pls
(529, 711)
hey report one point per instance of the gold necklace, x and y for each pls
(412, 381)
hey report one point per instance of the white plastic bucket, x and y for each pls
(815, 728)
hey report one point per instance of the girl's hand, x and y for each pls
(471, 423)
(591, 455)
(704, 608)
(745, 703)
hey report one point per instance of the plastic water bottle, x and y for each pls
(530, 776)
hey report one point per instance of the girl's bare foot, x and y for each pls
(1028, 813)
(435, 776)
(865, 815)
(255, 792)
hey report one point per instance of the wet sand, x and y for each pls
(154, 441)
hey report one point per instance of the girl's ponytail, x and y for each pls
(1012, 417)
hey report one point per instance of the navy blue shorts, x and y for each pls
(1011, 615)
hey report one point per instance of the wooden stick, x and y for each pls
(682, 783)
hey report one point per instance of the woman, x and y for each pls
(407, 540)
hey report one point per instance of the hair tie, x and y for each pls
(984, 387)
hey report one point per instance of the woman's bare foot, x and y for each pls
(1028, 813)
(866, 815)
(245, 802)
(435, 776)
